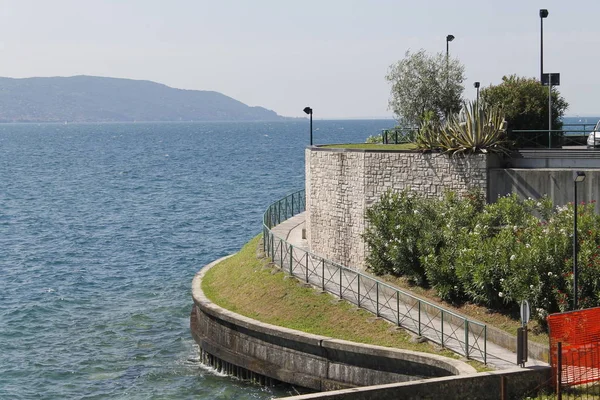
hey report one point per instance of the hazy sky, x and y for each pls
(284, 55)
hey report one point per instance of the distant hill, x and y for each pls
(97, 99)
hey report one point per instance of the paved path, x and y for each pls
(383, 300)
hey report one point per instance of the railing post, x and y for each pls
(398, 307)
(442, 328)
(272, 248)
(323, 274)
(307, 267)
(291, 260)
(358, 276)
(292, 205)
(466, 338)
(377, 297)
(419, 328)
(279, 212)
(341, 297)
(485, 344)
(281, 253)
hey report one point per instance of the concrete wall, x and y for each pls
(518, 384)
(341, 184)
(535, 183)
(311, 361)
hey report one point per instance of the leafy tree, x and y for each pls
(423, 83)
(525, 103)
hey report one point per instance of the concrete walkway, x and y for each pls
(385, 301)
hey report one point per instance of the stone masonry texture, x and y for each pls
(342, 184)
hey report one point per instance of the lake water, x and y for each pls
(102, 228)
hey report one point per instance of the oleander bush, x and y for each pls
(490, 254)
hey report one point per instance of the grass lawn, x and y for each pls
(248, 285)
(372, 146)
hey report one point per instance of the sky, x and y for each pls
(332, 55)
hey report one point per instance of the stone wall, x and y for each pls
(341, 184)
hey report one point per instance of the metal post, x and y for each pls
(323, 274)
(466, 338)
(358, 277)
(377, 298)
(541, 48)
(292, 205)
(419, 328)
(281, 253)
(398, 308)
(442, 328)
(559, 371)
(291, 260)
(485, 344)
(340, 283)
(575, 246)
(549, 111)
(311, 140)
(306, 267)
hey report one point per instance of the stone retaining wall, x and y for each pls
(341, 184)
(311, 361)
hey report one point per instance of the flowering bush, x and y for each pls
(491, 254)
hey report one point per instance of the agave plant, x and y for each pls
(428, 133)
(476, 129)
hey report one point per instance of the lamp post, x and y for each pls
(543, 14)
(476, 86)
(309, 111)
(449, 38)
(578, 176)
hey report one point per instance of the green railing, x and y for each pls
(444, 327)
(398, 135)
(569, 135)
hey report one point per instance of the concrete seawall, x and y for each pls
(311, 361)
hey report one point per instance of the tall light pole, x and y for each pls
(543, 14)
(578, 176)
(476, 86)
(449, 38)
(309, 111)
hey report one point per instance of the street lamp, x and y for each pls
(543, 14)
(449, 38)
(476, 86)
(309, 111)
(578, 176)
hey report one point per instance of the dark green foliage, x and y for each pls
(491, 254)
(525, 104)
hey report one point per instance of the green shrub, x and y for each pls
(490, 254)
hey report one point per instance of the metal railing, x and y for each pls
(399, 135)
(569, 135)
(441, 326)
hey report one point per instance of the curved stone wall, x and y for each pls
(311, 361)
(342, 183)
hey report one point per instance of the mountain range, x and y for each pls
(100, 99)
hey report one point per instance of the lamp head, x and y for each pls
(476, 85)
(449, 38)
(543, 13)
(578, 176)
(308, 110)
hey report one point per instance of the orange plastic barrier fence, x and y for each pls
(579, 333)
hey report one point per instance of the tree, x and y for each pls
(525, 103)
(422, 83)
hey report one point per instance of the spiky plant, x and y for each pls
(428, 133)
(476, 129)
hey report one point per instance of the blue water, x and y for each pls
(102, 228)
